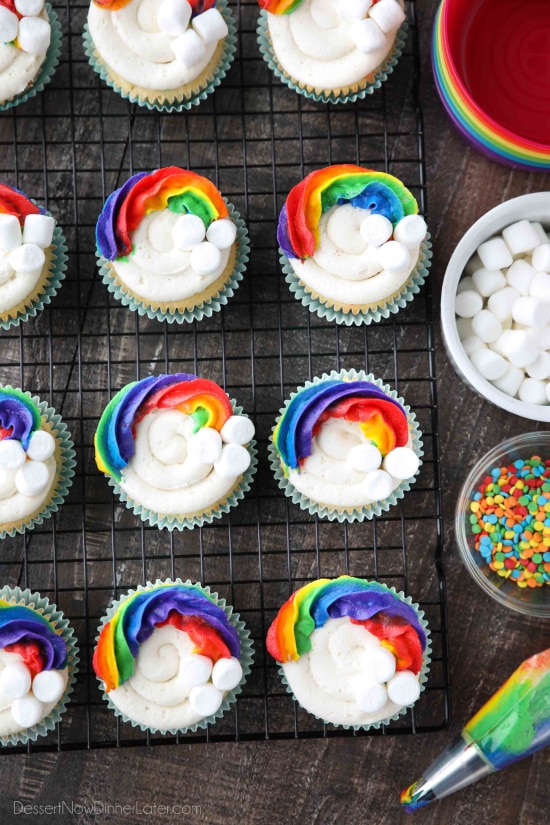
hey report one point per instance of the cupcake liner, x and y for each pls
(48, 67)
(15, 595)
(65, 469)
(384, 309)
(328, 511)
(380, 75)
(226, 58)
(51, 284)
(174, 522)
(423, 676)
(205, 309)
(247, 655)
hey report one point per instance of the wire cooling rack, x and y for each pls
(68, 148)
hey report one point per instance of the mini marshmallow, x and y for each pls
(353, 9)
(411, 230)
(376, 229)
(401, 463)
(531, 312)
(222, 233)
(188, 48)
(541, 257)
(210, 26)
(29, 8)
(27, 711)
(28, 257)
(38, 229)
(387, 14)
(205, 258)
(466, 284)
(500, 303)
(510, 381)
(173, 16)
(532, 391)
(380, 663)
(378, 485)
(10, 228)
(471, 343)
(32, 478)
(234, 461)
(520, 276)
(540, 286)
(188, 231)
(367, 36)
(393, 256)
(464, 327)
(516, 345)
(205, 446)
(364, 458)
(34, 35)
(495, 254)
(539, 229)
(520, 237)
(6, 270)
(540, 336)
(487, 281)
(540, 368)
(488, 363)
(48, 686)
(15, 680)
(205, 699)
(41, 445)
(12, 454)
(227, 673)
(468, 304)
(371, 696)
(404, 688)
(548, 392)
(238, 429)
(486, 326)
(8, 26)
(196, 669)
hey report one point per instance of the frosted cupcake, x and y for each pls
(176, 450)
(38, 658)
(352, 652)
(163, 54)
(36, 461)
(32, 257)
(169, 246)
(172, 657)
(333, 52)
(30, 42)
(345, 447)
(354, 248)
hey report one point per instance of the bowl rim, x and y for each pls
(535, 207)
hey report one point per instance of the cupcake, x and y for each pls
(169, 246)
(38, 663)
(345, 446)
(353, 247)
(32, 256)
(163, 54)
(36, 461)
(30, 42)
(171, 656)
(332, 52)
(176, 449)
(352, 652)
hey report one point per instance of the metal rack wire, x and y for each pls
(68, 148)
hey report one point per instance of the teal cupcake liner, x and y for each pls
(65, 469)
(380, 75)
(48, 67)
(15, 595)
(174, 522)
(226, 58)
(246, 658)
(51, 284)
(331, 512)
(381, 310)
(422, 677)
(204, 309)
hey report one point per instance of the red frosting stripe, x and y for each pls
(206, 640)
(401, 639)
(30, 653)
(14, 202)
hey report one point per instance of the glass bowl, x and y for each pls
(532, 601)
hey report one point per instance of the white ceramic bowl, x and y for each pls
(534, 207)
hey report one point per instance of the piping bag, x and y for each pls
(512, 725)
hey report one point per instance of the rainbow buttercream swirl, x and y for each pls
(178, 190)
(280, 6)
(380, 193)
(19, 416)
(186, 606)
(115, 437)
(381, 418)
(28, 633)
(14, 202)
(380, 610)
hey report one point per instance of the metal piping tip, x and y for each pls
(417, 795)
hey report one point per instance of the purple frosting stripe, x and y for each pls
(106, 238)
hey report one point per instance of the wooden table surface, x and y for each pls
(351, 780)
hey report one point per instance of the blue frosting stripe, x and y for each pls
(380, 200)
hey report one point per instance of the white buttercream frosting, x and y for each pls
(8, 725)
(14, 505)
(18, 68)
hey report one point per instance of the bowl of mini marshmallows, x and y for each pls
(502, 523)
(495, 306)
